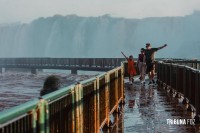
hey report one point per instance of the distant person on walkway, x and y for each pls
(52, 83)
(131, 68)
(141, 64)
(150, 61)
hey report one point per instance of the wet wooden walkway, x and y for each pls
(150, 109)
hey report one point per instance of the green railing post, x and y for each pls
(81, 106)
(95, 106)
(72, 126)
(107, 78)
(77, 116)
(33, 121)
(41, 107)
(46, 116)
(122, 83)
(116, 90)
(197, 92)
(98, 105)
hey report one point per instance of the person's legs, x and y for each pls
(150, 72)
(148, 68)
(150, 75)
(130, 78)
(140, 70)
(143, 72)
(153, 73)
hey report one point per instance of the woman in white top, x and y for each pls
(141, 64)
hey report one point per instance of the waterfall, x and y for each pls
(103, 36)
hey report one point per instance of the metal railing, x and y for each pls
(182, 79)
(191, 63)
(79, 108)
(74, 62)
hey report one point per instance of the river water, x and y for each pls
(19, 87)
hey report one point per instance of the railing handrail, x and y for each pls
(17, 111)
(195, 64)
(59, 93)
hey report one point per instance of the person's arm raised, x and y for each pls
(165, 45)
(124, 55)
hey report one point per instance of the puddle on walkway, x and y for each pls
(149, 109)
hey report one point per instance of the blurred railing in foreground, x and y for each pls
(79, 108)
(183, 79)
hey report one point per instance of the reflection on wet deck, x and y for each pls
(149, 109)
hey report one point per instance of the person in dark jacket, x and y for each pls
(150, 61)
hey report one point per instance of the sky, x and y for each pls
(27, 10)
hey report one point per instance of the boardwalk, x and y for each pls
(147, 109)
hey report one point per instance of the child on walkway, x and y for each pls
(141, 64)
(131, 68)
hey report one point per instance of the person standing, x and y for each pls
(141, 64)
(131, 68)
(150, 61)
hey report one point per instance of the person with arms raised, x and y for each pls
(131, 68)
(150, 61)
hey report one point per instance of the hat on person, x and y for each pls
(148, 44)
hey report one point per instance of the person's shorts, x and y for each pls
(150, 66)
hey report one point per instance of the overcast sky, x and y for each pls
(28, 10)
